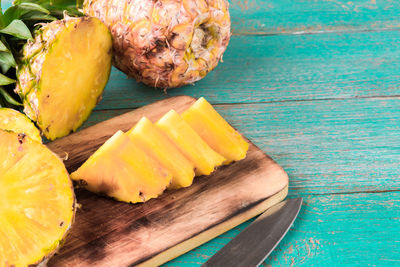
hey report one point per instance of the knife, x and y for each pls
(253, 245)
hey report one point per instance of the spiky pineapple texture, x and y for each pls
(165, 43)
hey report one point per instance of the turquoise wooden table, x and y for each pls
(316, 85)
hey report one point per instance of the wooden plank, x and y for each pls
(280, 68)
(312, 16)
(112, 233)
(332, 230)
(325, 146)
(295, 16)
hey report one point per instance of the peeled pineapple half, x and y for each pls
(37, 202)
(138, 165)
(63, 72)
(17, 122)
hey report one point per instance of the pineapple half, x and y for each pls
(17, 122)
(218, 134)
(124, 171)
(165, 43)
(190, 143)
(37, 202)
(63, 72)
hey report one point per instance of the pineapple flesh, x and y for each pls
(157, 144)
(37, 202)
(63, 73)
(124, 171)
(12, 120)
(218, 134)
(204, 158)
(165, 43)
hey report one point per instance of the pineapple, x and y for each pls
(17, 122)
(121, 169)
(218, 134)
(165, 43)
(157, 144)
(37, 203)
(190, 143)
(63, 72)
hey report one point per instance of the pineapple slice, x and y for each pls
(157, 144)
(122, 170)
(37, 203)
(190, 143)
(218, 134)
(17, 122)
(63, 72)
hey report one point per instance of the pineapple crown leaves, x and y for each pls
(16, 26)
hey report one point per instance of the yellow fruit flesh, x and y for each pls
(121, 169)
(36, 201)
(12, 120)
(218, 134)
(73, 77)
(158, 145)
(190, 143)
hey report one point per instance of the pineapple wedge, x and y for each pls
(190, 143)
(12, 120)
(157, 144)
(37, 202)
(218, 134)
(122, 170)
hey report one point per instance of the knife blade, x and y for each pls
(253, 245)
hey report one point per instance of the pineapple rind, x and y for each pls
(165, 43)
(34, 180)
(17, 122)
(61, 103)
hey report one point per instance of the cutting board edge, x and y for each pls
(215, 231)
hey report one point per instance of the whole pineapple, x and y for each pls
(63, 72)
(165, 43)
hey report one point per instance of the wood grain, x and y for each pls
(284, 68)
(308, 16)
(111, 233)
(331, 230)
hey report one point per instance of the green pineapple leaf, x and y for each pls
(3, 48)
(17, 28)
(8, 97)
(4, 80)
(7, 61)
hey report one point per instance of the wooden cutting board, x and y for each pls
(111, 233)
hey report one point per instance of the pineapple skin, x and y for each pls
(165, 43)
(36, 53)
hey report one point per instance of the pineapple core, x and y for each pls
(218, 134)
(190, 143)
(159, 146)
(120, 168)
